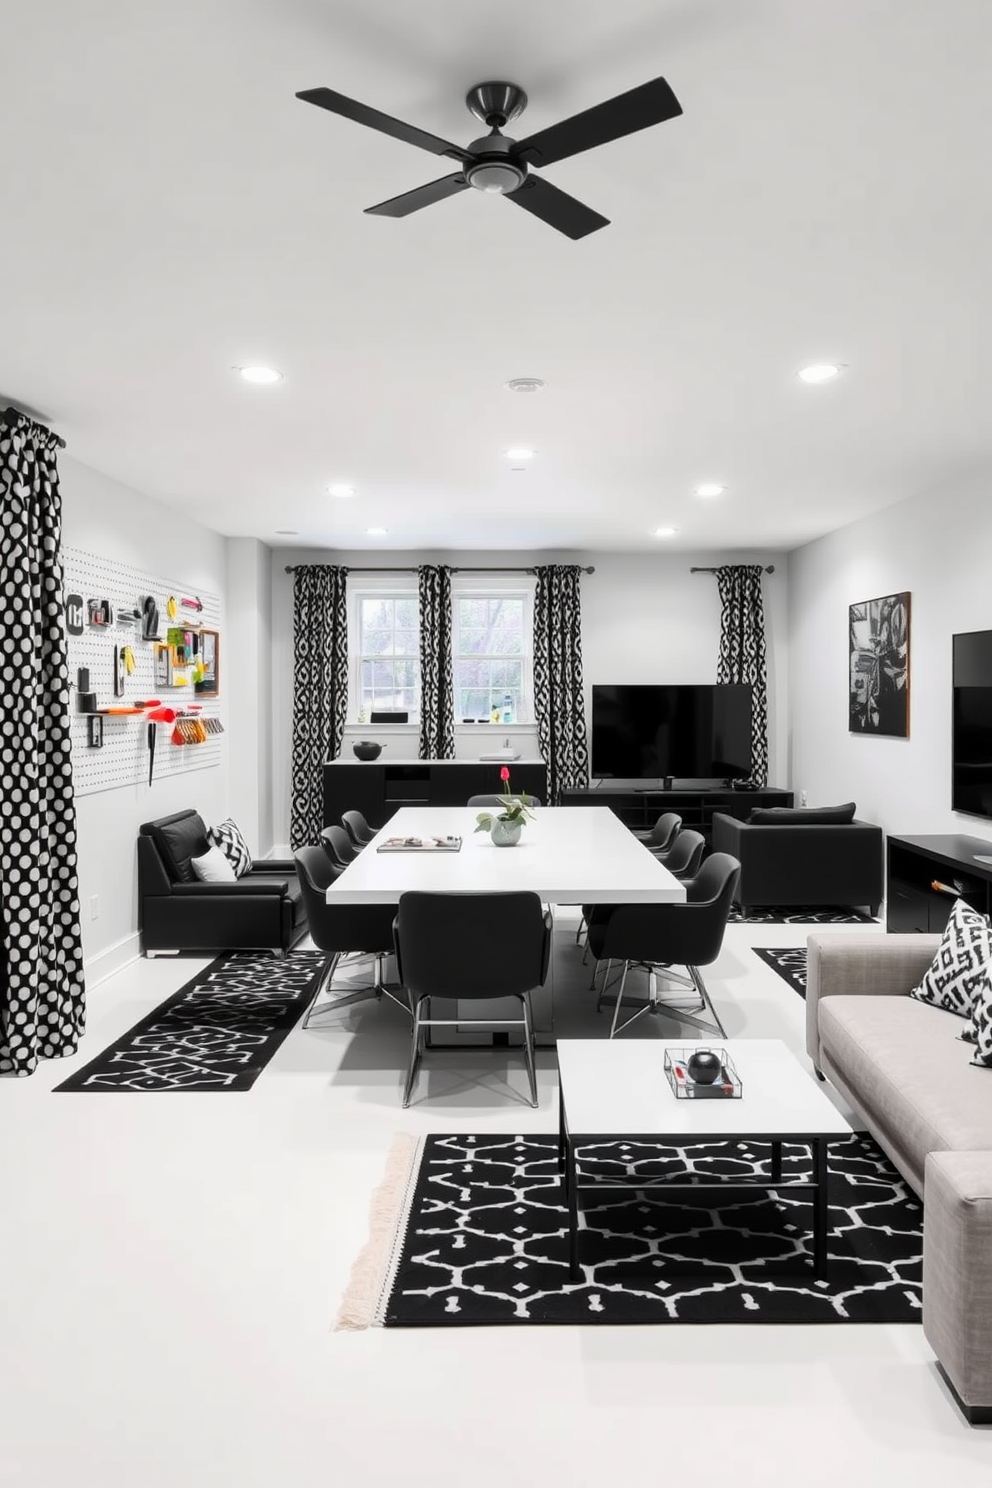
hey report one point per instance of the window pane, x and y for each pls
(507, 614)
(407, 643)
(473, 641)
(472, 612)
(377, 643)
(506, 643)
(472, 674)
(406, 613)
(475, 704)
(377, 614)
(506, 677)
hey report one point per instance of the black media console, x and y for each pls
(641, 806)
(953, 862)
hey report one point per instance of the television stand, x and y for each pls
(639, 803)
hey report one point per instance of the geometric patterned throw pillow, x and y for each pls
(231, 843)
(959, 967)
(981, 1027)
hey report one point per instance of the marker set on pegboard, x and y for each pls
(144, 664)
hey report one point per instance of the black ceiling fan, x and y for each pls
(499, 165)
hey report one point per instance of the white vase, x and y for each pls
(505, 833)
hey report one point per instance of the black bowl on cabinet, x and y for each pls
(366, 749)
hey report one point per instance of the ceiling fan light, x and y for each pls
(495, 177)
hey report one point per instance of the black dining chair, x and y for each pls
(341, 930)
(471, 948)
(359, 830)
(338, 846)
(684, 856)
(662, 835)
(656, 937)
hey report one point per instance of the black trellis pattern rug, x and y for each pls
(486, 1240)
(788, 961)
(799, 914)
(216, 1033)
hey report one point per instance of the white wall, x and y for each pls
(645, 618)
(247, 683)
(939, 547)
(102, 516)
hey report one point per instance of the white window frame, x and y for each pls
(492, 586)
(372, 586)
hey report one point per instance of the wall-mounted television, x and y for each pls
(689, 731)
(971, 747)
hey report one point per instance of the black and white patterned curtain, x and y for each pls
(42, 991)
(742, 651)
(558, 699)
(320, 690)
(437, 693)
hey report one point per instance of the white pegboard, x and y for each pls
(123, 759)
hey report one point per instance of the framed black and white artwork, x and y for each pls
(878, 632)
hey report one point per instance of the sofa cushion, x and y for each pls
(179, 839)
(908, 1071)
(981, 1024)
(290, 885)
(229, 839)
(960, 965)
(805, 816)
(213, 867)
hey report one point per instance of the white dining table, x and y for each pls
(566, 855)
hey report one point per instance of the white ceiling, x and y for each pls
(170, 211)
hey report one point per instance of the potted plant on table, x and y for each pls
(504, 825)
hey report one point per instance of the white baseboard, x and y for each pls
(107, 963)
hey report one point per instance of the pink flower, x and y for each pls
(504, 774)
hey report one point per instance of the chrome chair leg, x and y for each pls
(529, 1047)
(414, 1056)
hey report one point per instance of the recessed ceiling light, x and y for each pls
(710, 488)
(664, 532)
(340, 489)
(525, 385)
(376, 531)
(260, 376)
(821, 371)
(519, 452)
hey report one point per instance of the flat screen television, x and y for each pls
(689, 731)
(971, 747)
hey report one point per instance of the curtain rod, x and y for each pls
(291, 568)
(770, 568)
(9, 415)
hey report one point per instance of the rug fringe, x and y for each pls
(361, 1303)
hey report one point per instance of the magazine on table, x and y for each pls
(420, 844)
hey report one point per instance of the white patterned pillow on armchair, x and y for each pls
(959, 968)
(980, 1032)
(232, 844)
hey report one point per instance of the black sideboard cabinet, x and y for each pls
(378, 789)
(915, 863)
(642, 808)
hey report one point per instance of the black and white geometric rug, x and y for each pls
(799, 914)
(216, 1033)
(486, 1241)
(788, 961)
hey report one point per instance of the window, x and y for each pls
(388, 652)
(491, 654)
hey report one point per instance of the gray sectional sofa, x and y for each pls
(902, 1066)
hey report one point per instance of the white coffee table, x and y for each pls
(611, 1090)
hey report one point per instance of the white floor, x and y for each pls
(170, 1267)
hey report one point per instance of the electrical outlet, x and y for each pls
(94, 906)
(804, 798)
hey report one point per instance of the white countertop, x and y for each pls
(618, 1087)
(566, 855)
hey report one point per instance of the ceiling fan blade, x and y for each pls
(337, 103)
(557, 208)
(423, 196)
(651, 103)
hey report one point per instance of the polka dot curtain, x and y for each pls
(42, 994)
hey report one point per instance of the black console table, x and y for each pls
(915, 863)
(641, 807)
(378, 788)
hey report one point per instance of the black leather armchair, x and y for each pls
(785, 861)
(263, 910)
